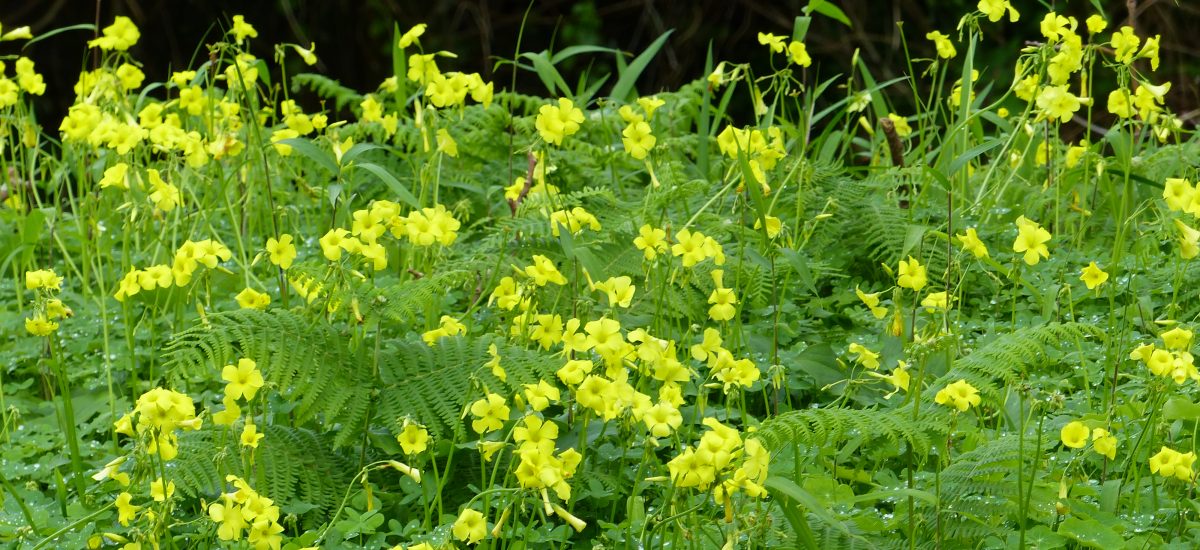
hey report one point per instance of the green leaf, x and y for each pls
(391, 181)
(572, 51)
(1179, 408)
(630, 74)
(48, 34)
(1091, 534)
(826, 8)
(548, 74)
(784, 488)
(305, 147)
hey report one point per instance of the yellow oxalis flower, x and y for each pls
(119, 36)
(1171, 463)
(241, 29)
(866, 357)
(249, 298)
(1031, 240)
(1056, 102)
(282, 252)
(1177, 338)
(470, 527)
(945, 48)
(413, 438)
(1178, 193)
(798, 54)
(872, 303)
(994, 10)
(912, 274)
(490, 413)
(1093, 276)
(960, 395)
(250, 436)
(244, 379)
(970, 241)
(637, 139)
(1104, 443)
(651, 241)
(1074, 435)
(555, 122)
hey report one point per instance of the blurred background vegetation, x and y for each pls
(354, 37)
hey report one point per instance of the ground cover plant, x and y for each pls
(444, 314)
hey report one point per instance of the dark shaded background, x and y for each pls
(353, 37)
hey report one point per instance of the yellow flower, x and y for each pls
(158, 493)
(332, 243)
(1074, 435)
(411, 35)
(17, 34)
(692, 469)
(1149, 51)
(40, 326)
(541, 395)
(650, 104)
(901, 125)
(1189, 240)
(250, 436)
(775, 43)
(119, 36)
(1177, 338)
(1171, 463)
(307, 55)
(945, 48)
(244, 380)
(1104, 443)
(249, 298)
(899, 378)
(1031, 240)
(872, 303)
(542, 271)
(866, 357)
(994, 10)
(619, 290)
(449, 326)
(231, 413)
(1096, 24)
(470, 527)
(446, 143)
(798, 54)
(413, 438)
(1093, 276)
(970, 241)
(536, 434)
(1177, 192)
(959, 395)
(490, 413)
(723, 300)
(662, 419)
(42, 278)
(935, 301)
(282, 252)
(912, 274)
(554, 123)
(126, 511)
(241, 29)
(651, 241)
(573, 372)
(114, 176)
(1056, 102)
(1125, 43)
(637, 139)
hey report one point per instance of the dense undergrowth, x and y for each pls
(464, 316)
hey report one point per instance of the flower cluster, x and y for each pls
(47, 310)
(188, 258)
(1175, 361)
(244, 512)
